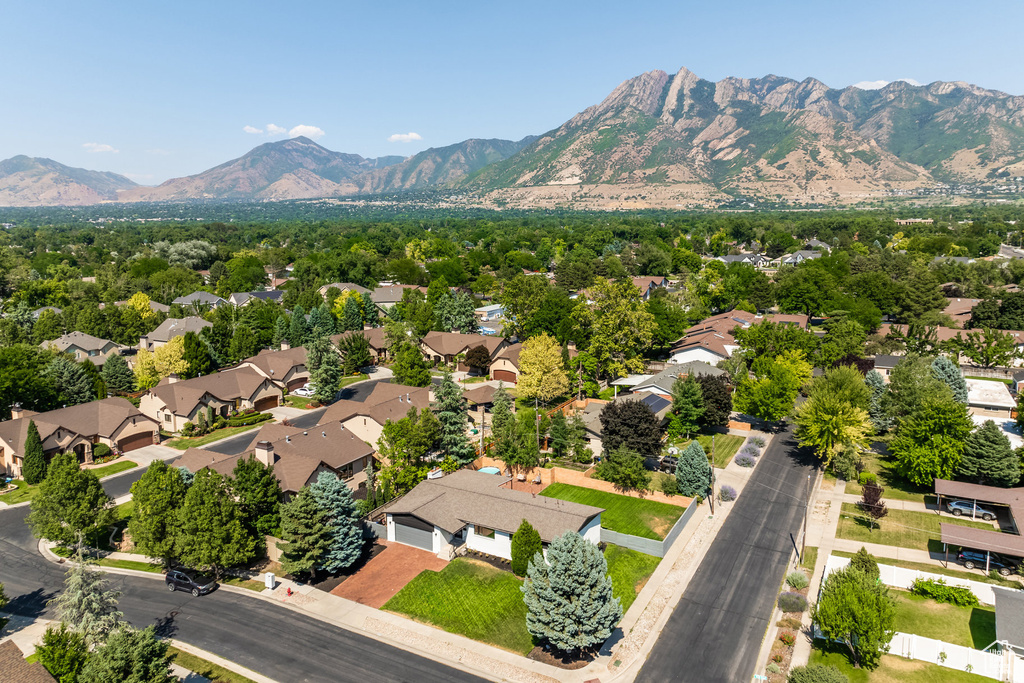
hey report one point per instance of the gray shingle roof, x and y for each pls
(175, 327)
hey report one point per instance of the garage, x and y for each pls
(413, 531)
(297, 383)
(130, 443)
(266, 403)
(504, 376)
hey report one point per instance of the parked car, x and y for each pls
(305, 391)
(976, 558)
(668, 463)
(191, 581)
(965, 507)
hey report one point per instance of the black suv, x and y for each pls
(668, 464)
(976, 559)
(188, 580)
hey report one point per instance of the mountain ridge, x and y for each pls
(38, 181)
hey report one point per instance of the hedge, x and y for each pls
(250, 419)
(940, 591)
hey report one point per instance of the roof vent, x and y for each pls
(288, 439)
(324, 434)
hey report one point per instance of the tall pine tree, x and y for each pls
(352, 314)
(324, 369)
(568, 596)
(341, 519)
(118, 376)
(85, 605)
(298, 335)
(450, 408)
(282, 332)
(693, 471)
(321, 322)
(33, 468)
(305, 534)
(560, 437)
(371, 314)
(989, 458)
(945, 371)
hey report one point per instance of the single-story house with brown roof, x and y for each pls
(171, 328)
(443, 347)
(285, 368)
(297, 455)
(82, 346)
(374, 337)
(113, 422)
(174, 402)
(342, 287)
(386, 402)
(646, 285)
(476, 510)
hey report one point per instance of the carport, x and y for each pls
(982, 539)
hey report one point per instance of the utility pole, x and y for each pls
(711, 500)
(536, 419)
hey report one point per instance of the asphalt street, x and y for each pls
(264, 637)
(714, 634)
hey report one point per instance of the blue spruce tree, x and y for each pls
(334, 498)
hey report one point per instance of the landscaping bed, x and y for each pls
(624, 514)
(973, 627)
(902, 528)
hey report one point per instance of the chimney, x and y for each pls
(571, 346)
(172, 378)
(143, 342)
(16, 411)
(285, 345)
(264, 452)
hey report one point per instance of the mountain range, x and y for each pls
(657, 140)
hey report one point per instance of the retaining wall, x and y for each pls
(649, 545)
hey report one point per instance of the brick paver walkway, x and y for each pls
(383, 576)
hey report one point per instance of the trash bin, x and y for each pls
(269, 580)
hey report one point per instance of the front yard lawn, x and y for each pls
(973, 627)
(293, 401)
(725, 447)
(469, 598)
(625, 514)
(352, 379)
(114, 468)
(902, 528)
(629, 571)
(206, 669)
(896, 487)
(964, 574)
(23, 493)
(183, 442)
(893, 669)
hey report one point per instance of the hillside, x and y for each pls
(662, 140)
(32, 181)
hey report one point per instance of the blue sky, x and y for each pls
(157, 90)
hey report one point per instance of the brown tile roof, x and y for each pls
(453, 343)
(182, 396)
(298, 453)
(386, 402)
(467, 497)
(15, 669)
(374, 335)
(96, 418)
(276, 364)
(175, 327)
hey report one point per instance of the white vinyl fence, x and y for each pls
(988, 664)
(904, 578)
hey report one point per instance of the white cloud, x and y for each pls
(875, 85)
(275, 130)
(404, 137)
(252, 130)
(311, 132)
(98, 147)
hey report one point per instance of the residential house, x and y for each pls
(946, 334)
(489, 313)
(478, 511)
(244, 298)
(505, 365)
(646, 285)
(711, 340)
(174, 402)
(798, 257)
(297, 455)
(756, 260)
(285, 368)
(16, 669)
(201, 300)
(342, 287)
(661, 383)
(885, 364)
(443, 347)
(959, 309)
(171, 328)
(39, 311)
(113, 422)
(374, 337)
(818, 244)
(82, 346)
(154, 306)
(387, 401)
(387, 295)
(989, 398)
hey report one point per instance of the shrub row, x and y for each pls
(249, 419)
(940, 591)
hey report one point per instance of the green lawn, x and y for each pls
(973, 627)
(943, 571)
(130, 564)
(352, 379)
(902, 528)
(629, 571)
(625, 514)
(469, 598)
(114, 468)
(206, 669)
(297, 401)
(1004, 380)
(23, 493)
(893, 669)
(811, 557)
(182, 442)
(726, 446)
(896, 487)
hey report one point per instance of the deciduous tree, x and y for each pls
(624, 468)
(158, 495)
(930, 443)
(858, 612)
(210, 524)
(70, 502)
(63, 653)
(989, 348)
(618, 325)
(829, 425)
(540, 369)
(259, 496)
(717, 400)
(409, 367)
(687, 406)
(478, 358)
(631, 424)
(871, 502)
(569, 597)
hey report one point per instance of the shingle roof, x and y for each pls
(1010, 616)
(390, 294)
(467, 497)
(182, 396)
(199, 297)
(276, 364)
(239, 298)
(175, 327)
(453, 343)
(15, 669)
(387, 401)
(667, 377)
(95, 418)
(374, 335)
(153, 306)
(480, 395)
(84, 341)
(342, 286)
(511, 352)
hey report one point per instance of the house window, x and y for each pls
(167, 417)
(483, 531)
